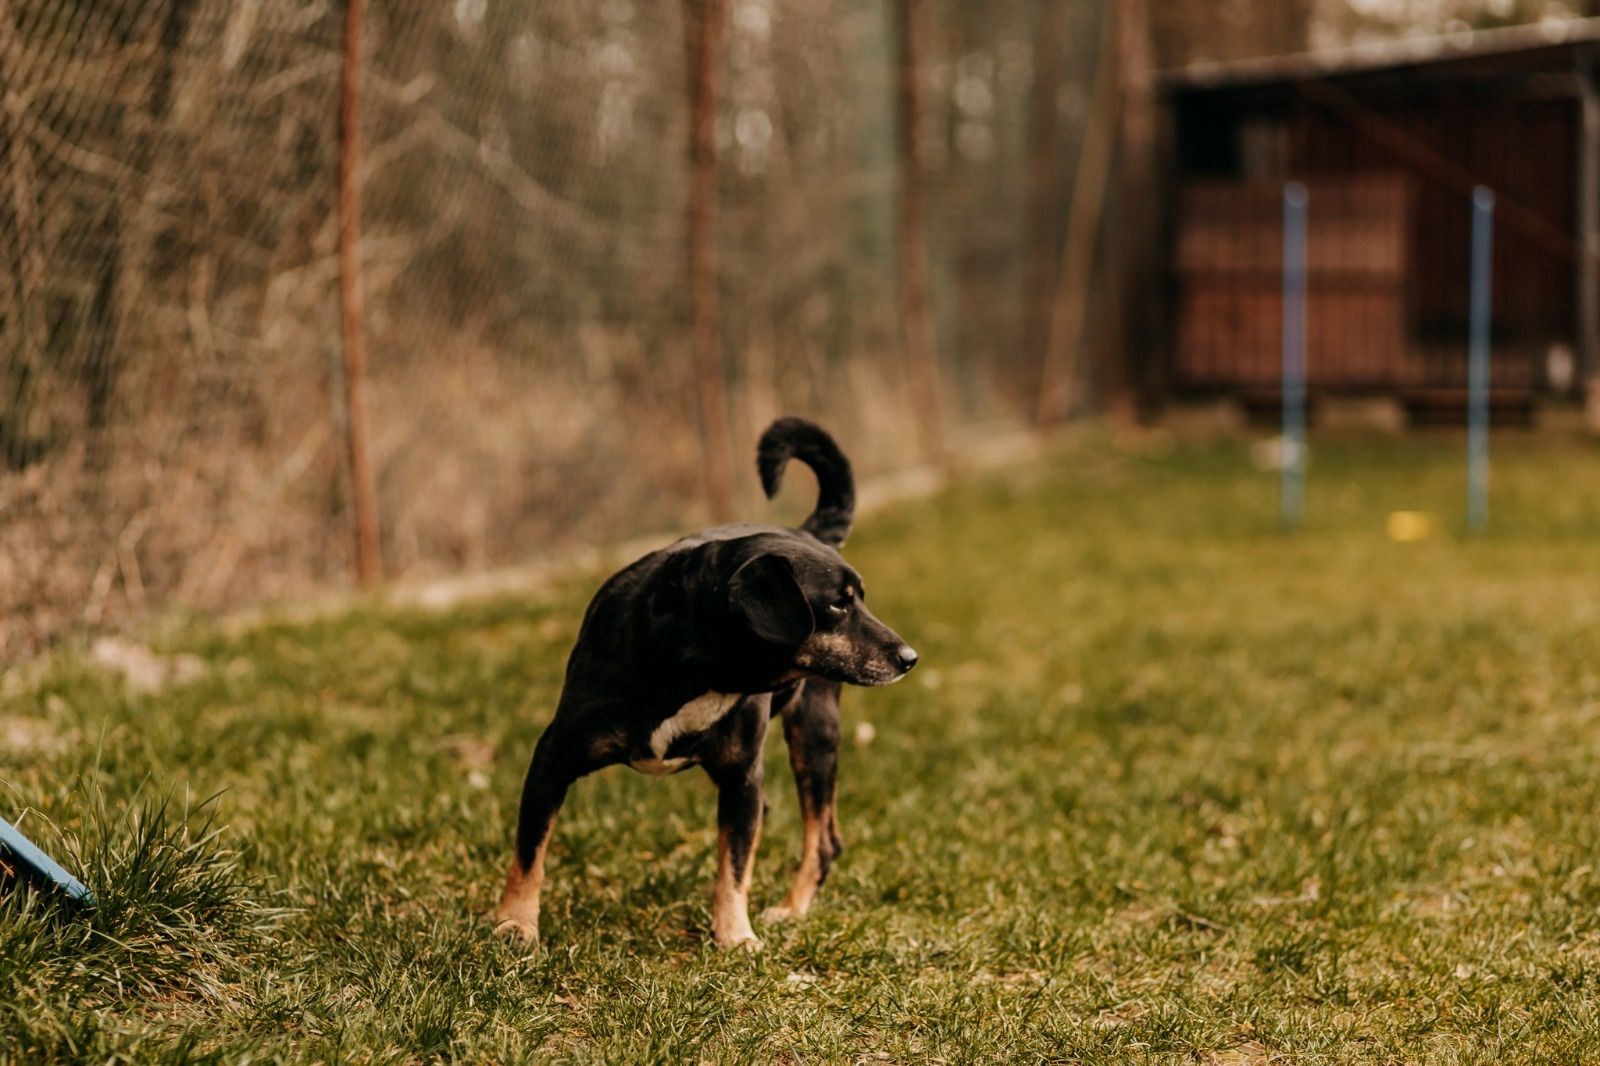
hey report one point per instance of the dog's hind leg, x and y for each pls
(559, 759)
(740, 807)
(811, 727)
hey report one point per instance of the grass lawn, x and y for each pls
(1168, 787)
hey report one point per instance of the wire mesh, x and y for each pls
(169, 337)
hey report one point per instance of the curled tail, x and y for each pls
(795, 438)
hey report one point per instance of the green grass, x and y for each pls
(1169, 787)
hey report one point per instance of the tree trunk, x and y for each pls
(703, 25)
(916, 329)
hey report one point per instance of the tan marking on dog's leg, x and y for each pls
(808, 878)
(518, 912)
(730, 898)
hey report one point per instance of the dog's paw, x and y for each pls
(742, 943)
(781, 913)
(518, 930)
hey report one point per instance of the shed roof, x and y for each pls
(1540, 45)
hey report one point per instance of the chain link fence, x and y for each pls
(170, 420)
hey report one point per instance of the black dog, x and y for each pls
(684, 657)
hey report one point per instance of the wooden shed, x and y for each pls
(1390, 141)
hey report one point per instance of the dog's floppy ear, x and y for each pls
(766, 596)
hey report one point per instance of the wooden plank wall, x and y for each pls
(1228, 260)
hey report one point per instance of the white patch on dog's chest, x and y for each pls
(696, 716)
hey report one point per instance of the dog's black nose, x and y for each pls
(906, 656)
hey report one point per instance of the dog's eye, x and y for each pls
(840, 606)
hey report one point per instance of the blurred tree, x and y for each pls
(1188, 31)
(1344, 21)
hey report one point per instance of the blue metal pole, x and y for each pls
(1478, 361)
(25, 853)
(1294, 354)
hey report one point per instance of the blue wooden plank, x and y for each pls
(25, 853)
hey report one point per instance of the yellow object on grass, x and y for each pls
(1408, 527)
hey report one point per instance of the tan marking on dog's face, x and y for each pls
(834, 655)
(821, 647)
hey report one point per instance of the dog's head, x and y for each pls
(803, 598)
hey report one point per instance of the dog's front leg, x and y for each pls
(733, 761)
(740, 805)
(811, 727)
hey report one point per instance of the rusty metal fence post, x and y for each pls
(703, 25)
(911, 239)
(369, 567)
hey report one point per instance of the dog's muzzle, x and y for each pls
(905, 657)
